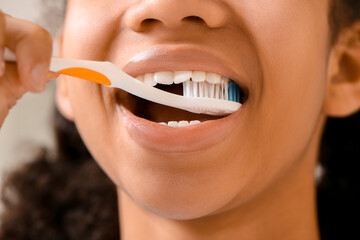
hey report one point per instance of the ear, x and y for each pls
(62, 94)
(343, 94)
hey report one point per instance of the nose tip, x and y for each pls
(173, 13)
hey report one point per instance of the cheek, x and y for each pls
(99, 124)
(89, 28)
(88, 32)
(291, 40)
(293, 55)
(92, 105)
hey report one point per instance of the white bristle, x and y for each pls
(195, 89)
(206, 90)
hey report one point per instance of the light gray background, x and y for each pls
(29, 123)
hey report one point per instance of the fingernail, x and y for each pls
(38, 75)
(2, 68)
(52, 75)
(2, 62)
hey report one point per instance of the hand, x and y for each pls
(33, 48)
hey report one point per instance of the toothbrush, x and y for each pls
(108, 74)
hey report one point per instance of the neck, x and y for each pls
(286, 210)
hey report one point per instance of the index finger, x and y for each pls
(2, 43)
(33, 48)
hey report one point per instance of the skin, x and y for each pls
(258, 181)
(33, 48)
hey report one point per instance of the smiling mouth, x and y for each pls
(188, 84)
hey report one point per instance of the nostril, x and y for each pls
(193, 19)
(172, 14)
(149, 21)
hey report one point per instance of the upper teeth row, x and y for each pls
(169, 77)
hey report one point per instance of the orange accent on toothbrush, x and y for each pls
(86, 74)
(104, 71)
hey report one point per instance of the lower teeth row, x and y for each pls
(180, 123)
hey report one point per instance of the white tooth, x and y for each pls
(183, 124)
(195, 88)
(213, 78)
(149, 79)
(166, 77)
(163, 123)
(182, 76)
(140, 78)
(173, 124)
(194, 122)
(225, 79)
(198, 76)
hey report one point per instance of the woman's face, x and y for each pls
(276, 50)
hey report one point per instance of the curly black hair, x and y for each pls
(339, 189)
(68, 196)
(60, 197)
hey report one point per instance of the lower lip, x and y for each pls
(157, 137)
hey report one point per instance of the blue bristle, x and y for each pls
(230, 90)
(234, 92)
(237, 93)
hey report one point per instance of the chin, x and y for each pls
(180, 195)
(178, 207)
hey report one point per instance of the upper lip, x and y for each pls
(179, 59)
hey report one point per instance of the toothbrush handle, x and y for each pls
(108, 74)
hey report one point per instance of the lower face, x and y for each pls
(276, 51)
